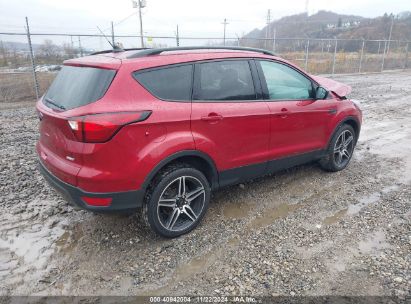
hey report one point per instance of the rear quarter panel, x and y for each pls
(123, 163)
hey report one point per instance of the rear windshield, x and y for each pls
(77, 86)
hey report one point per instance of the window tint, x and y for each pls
(224, 80)
(169, 83)
(284, 82)
(77, 86)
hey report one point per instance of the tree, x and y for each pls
(69, 51)
(3, 52)
(49, 49)
(339, 24)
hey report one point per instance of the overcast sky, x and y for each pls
(201, 18)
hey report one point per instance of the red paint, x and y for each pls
(232, 134)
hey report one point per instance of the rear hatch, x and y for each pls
(76, 85)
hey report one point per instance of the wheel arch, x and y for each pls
(351, 121)
(196, 159)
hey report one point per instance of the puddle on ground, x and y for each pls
(338, 265)
(374, 243)
(69, 240)
(194, 266)
(390, 188)
(363, 202)
(236, 210)
(385, 138)
(202, 262)
(33, 245)
(355, 208)
(271, 215)
(329, 220)
(352, 209)
(26, 249)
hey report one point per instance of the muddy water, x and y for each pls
(26, 252)
(236, 210)
(374, 243)
(387, 139)
(355, 208)
(195, 266)
(68, 241)
(336, 217)
(363, 202)
(201, 263)
(270, 216)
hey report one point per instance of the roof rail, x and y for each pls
(149, 52)
(117, 51)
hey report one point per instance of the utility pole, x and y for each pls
(335, 55)
(112, 34)
(268, 27)
(361, 56)
(33, 64)
(177, 37)
(274, 36)
(225, 25)
(307, 46)
(140, 4)
(389, 37)
(79, 46)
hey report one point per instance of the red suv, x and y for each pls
(162, 128)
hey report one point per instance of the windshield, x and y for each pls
(77, 86)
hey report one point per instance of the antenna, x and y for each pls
(115, 47)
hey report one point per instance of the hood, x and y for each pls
(336, 87)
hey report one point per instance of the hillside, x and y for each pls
(325, 24)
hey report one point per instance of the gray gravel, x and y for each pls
(298, 232)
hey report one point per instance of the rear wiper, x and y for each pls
(54, 103)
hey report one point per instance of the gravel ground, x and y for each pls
(298, 232)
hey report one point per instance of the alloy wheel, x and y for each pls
(181, 203)
(343, 148)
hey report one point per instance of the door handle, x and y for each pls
(212, 117)
(284, 113)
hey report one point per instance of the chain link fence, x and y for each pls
(19, 78)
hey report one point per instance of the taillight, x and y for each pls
(99, 128)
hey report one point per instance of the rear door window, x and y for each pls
(224, 80)
(78, 86)
(168, 83)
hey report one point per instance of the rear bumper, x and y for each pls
(121, 201)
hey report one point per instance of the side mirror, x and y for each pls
(321, 93)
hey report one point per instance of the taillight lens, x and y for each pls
(98, 128)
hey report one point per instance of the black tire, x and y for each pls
(187, 215)
(331, 162)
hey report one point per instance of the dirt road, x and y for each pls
(298, 232)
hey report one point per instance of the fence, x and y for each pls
(22, 79)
